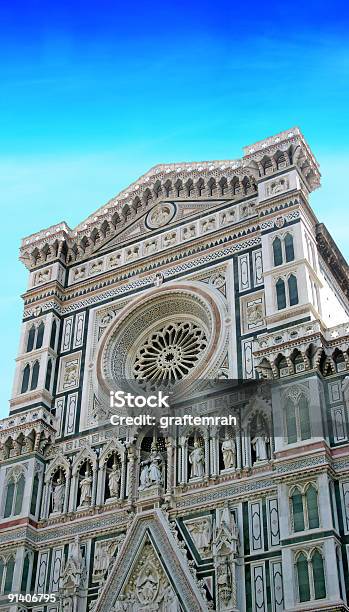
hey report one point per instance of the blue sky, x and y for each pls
(94, 94)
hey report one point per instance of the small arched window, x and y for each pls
(292, 290)
(277, 252)
(297, 510)
(14, 494)
(317, 563)
(304, 418)
(35, 375)
(9, 496)
(25, 574)
(48, 375)
(280, 294)
(40, 335)
(34, 494)
(10, 568)
(289, 249)
(297, 419)
(311, 498)
(53, 334)
(303, 578)
(19, 494)
(291, 422)
(25, 378)
(304, 507)
(31, 339)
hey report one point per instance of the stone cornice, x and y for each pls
(170, 181)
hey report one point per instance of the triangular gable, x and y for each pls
(150, 539)
(139, 229)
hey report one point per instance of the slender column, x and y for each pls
(40, 493)
(44, 504)
(214, 455)
(184, 458)
(100, 483)
(169, 448)
(131, 470)
(179, 463)
(238, 450)
(73, 491)
(67, 490)
(94, 483)
(122, 476)
(207, 455)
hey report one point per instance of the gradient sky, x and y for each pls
(94, 94)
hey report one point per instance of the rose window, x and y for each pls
(170, 353)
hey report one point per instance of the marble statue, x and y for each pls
(151, 469)
(259, 444)
(197, 461)
(86, 490)
(228, 452)
(114, 481)
(58, 496)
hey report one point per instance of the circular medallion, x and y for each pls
(160, 215)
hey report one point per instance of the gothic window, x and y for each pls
(35, 375)
(292, 290)
(297, 419)
(25, 378)
(303, 418)
(277, 251)
(297, 510)
(53, 334)
(25, 574)
(34, 494)
(304, 508)
(14, 493)
(303, 578)
(317, 563)
(40, 335)
(310, 576)
(289, 249)
(19, 494)
(31, 338)
(48, 375)
(8, 575)
(280, 294)
(311, 499)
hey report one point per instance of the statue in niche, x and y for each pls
(259, 442)
(228, 452)
(197, 461)
(151, 472)
(114, 480)
(86, 490)
(201, 532)
(58, 497)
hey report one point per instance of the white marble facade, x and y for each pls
(211, 271)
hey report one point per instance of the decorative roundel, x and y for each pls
(160, 215)
(168, 355)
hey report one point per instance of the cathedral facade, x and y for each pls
(214, 279)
